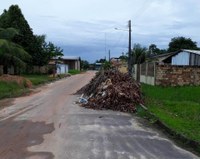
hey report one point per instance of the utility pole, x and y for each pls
(130, 58)
(109, 55)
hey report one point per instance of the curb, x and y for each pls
(195, 145)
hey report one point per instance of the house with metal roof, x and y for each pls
(171, 69)
(181, 57)
(73, 62)
(66, 63)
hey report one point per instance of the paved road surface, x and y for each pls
(49, 125)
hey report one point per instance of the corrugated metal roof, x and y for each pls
(70, 57)
(164, 56)
(192, 51)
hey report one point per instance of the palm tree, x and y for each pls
(11, 54)
(139, 54)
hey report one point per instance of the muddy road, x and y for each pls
(48, 125)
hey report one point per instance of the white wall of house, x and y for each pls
(77, 65)
(62, 68)
(182, 58)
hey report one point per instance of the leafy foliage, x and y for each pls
(100, 61)
(44, 52)
(11, 54)
(178, 43)
(153, 50)
(139, 54)
(124, 57)
(85, 64)
(8, 33)
(52, 50)
(35, 45)
(106, 65)
(15, 19)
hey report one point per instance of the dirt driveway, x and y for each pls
(49, 125)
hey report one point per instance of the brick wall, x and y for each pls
(167, 75)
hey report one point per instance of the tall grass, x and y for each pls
(39, 79)
(177, 107)
(11, 89)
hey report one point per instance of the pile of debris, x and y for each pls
(111, 90)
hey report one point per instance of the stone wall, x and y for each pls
(167, 75)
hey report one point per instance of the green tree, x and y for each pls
(139, 54)
(178, 43)
(44, 51)
(35, 45)
(85, 64)
(100, 61)
(15, 19)
(11, 54)
(153, 50)
(53, 51)
(124, 57)
(39, 57)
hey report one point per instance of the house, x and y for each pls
(119, 64)
(73, 62)
(182, 57)
(171, 69)
(65, 63)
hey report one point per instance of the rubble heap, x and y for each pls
(111, 90)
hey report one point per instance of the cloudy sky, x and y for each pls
(85, 28)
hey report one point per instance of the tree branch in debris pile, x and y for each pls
(112, 90)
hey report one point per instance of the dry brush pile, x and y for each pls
(17, 79)
(112, 90)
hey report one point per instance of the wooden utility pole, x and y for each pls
(109, 55)
(130, 58)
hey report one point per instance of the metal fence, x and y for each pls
(147, 69)
(145, 73)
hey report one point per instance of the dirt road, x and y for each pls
(49, 125)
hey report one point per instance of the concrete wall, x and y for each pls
(77, 65)
(135, 74)
(62, 69)
(145, 73)
(72, 64)
(147, 80)
(167, 75)
(41, 69)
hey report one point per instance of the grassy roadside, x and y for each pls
(10, 89)
(177, 107)
(74, 72)
(39, 79)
